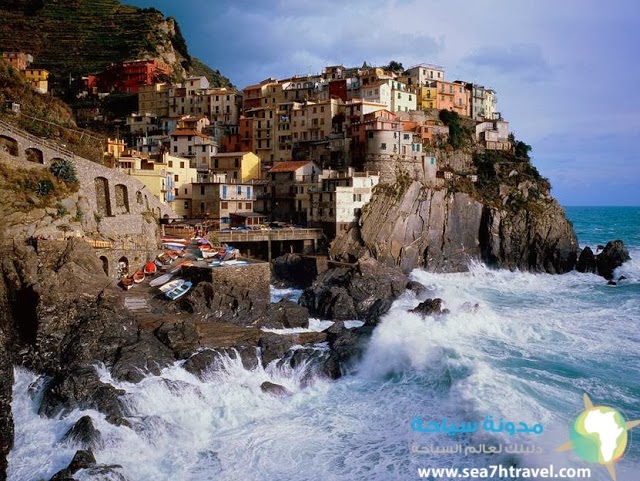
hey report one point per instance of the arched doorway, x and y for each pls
(9, 145)
(105, 264)
(102, 196)
(123, 267)
(122, 199)
(34, 155)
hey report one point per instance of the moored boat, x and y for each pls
(179, 291)
(126, 282)
(138, 276)
(163, 279)
(171, 285)
(150, 268)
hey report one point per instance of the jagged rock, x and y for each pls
(84, 433)
(286, 314)
(181, 337)
(83, 459)
(81, 388)
(209, 360)
(587, 261)
(273, 347)
(412, 225)
(430, 307)
(614, 255)
(364, 292)
(415, 287)
(294, 270)
(275, 389)
(147, 356)
(347, 347)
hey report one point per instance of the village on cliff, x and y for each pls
(305, 151)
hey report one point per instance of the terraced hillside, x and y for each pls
(77, 37)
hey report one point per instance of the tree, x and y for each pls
(394, 67)
(521, 149)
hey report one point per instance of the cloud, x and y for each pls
(524, 61)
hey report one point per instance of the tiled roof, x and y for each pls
(288, 166)
(187, 132)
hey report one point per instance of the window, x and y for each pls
(248, 206)
(171, 163)
(175, 149)
(236, 163)
(182, 165)
(239, 190)
(189, 138)
(224, 205)
(406, 136)
(410, 97)
(176, 191)
(235, 174)
(215, 163)
(202, 190)
(357, 197)
(370, 134)
(186, 205)
(433, 161)
(176, 177)
(185, 191)
(399, 95)
(383, 146)
(224, 191)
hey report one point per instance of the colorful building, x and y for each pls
(39, 79)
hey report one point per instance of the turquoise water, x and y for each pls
(528, 352)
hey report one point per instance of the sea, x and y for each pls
(496, 382)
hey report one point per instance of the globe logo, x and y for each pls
(599, 435)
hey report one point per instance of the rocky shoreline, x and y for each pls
(62, 315)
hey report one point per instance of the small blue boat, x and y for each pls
(179, 291)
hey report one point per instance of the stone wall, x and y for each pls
(255, 277)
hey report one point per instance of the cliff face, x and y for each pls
(507, 219)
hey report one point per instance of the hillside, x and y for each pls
(72, 38)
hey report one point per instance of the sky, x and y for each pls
(567, 72)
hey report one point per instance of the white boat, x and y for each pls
(173, 245)
(163, 279)
(171, 285)
(179, 291)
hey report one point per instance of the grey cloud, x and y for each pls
(525, 61)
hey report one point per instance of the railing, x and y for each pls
(36, 140)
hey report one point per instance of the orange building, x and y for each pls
(129, 76)
(19, 60)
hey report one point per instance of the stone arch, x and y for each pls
(123, 267)
(105, 264)
(139, 198)
(34, 155)
(122, 199)
(102, 196)
(9, 145)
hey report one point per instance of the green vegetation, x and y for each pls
(459, 133)
(215, 78)
(394, 67)
(64, 170)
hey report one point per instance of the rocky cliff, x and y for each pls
(505, 218)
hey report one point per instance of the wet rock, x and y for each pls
(430, 307)
(84, 433)
(417, 288)
(83, 459)
(275, 389)
(273, 347)
(81, 388)
(613, 256)
(211, 360)
(147, 356)
(181, 337)
(347, 347)
(363, 292)
(587, 261)
(286, 314)
(294, 270)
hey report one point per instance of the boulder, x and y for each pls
(613, 256)
(83, 459)
(84, 434)
(273, 347)
(286, 314)
(294, 270)
(363, 292)
(147, 356)
(210, 360)
(417, 288)
(587, 261)
(81, 388)
(430, 307)
(181, 337)
(347, 347)
(275, 389)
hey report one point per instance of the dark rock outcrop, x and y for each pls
(147, 356)
(275, 389)
(286, 314)
(430, 307)
(83, 459)
(210, 360)
(181, 337)
(417, 288)
(347, 347)
(84, 433)
(294, 270)
(587, 261)
(612, 256)
(412, 225)
(363, 292)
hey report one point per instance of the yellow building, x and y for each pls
(237, 166)
(154, 99)
(427, 97)
(39, 78)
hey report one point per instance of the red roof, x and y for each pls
(289, 165)
(187, 132)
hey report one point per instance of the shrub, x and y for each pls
(64, 170)
(44, 188)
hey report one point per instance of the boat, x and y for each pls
(163, 279)
(177, 246)
(179, 266)
(207, 254)
(171, 285)
(234, 262)
(174, 239)
(150, 268)
(179, 291)
(138, 277)
(127, 283)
